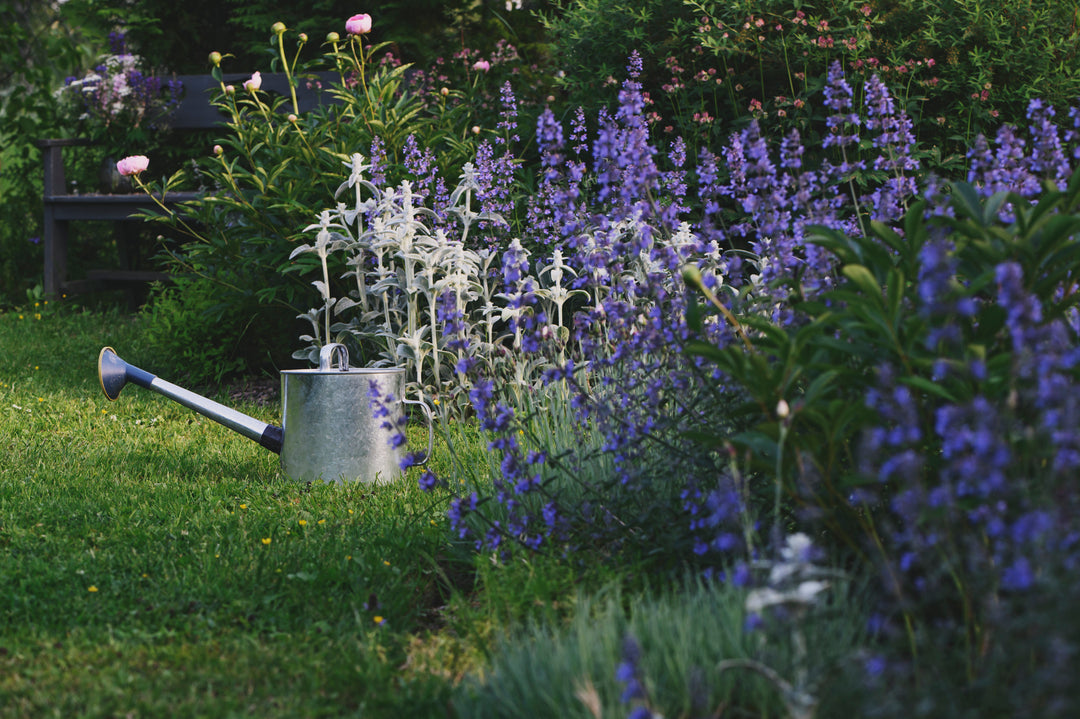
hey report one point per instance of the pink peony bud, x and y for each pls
(218, 149)
(358, 24)
(132, 165)
(481, 65)
(254, 83)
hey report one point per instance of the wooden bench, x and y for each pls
(63, 207)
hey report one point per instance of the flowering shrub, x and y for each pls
(959, 69)
(120, 102)
(275, 164)
(898, 364)
(619, 239)
(931, 393)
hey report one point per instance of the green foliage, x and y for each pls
(959, 68)
(34, 57)
(187, 341)
(180, 35)
(591, 40)
(684, 635)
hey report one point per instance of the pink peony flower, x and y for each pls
(254, 83)
(358, 24)
(132, 165)
(481, 65)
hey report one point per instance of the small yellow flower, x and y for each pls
(386, 562)
(379, 621)
(243, 506)
(266, 540)
(348, 557)
(40, 399)
(303, 522)
(144, 576)
(350, 511)
(322, 521)
(91, 588)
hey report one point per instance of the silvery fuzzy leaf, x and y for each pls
(345, 303)
(301, 250)
(324, 291)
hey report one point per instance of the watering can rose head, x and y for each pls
(133, 165)
(358, 24)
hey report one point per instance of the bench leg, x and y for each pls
(56, 246)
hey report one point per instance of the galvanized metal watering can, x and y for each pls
(331, 428)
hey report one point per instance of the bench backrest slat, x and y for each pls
(196, 113)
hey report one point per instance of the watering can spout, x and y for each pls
(114, 373)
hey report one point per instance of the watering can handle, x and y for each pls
(328, 353)
(430, 427)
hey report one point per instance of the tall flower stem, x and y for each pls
(289, 70)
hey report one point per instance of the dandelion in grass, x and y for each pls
(302, 522)
(379, 621)
(266, 540)
(91, 589)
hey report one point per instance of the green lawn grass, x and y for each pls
(152, 562)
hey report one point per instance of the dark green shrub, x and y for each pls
(958, 68)
(188, 336)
